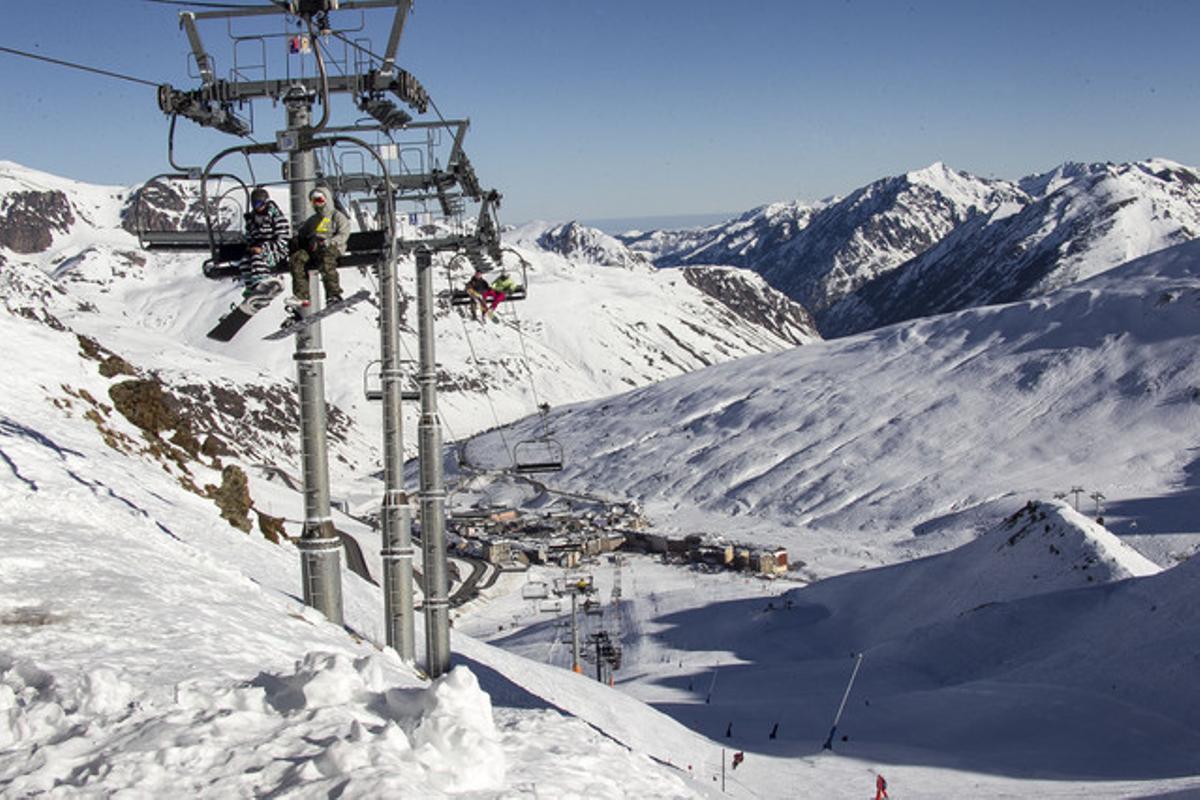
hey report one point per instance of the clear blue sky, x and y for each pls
(624, 108)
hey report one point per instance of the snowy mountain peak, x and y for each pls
(959, 187)
(590, 245)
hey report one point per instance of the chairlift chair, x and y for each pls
(208, 238)
(363, 248)
(460, 297)
(540, 454)
(550, 606)
(373, 383)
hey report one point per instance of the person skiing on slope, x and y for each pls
(880, 788)
(320, 241)
(476, 288)
(267, 233)
(501, 288)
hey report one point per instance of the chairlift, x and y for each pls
(194, 235)
(363, 248)
(461, 297)
(592, 608)
(550, 606)
(538, 453)
(535, 590)
(373, 383)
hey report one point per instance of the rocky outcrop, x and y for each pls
(749, 297)
(29, 220)
(162, 205)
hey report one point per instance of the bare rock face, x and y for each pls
(163, 204)
(28, 220)
(748, 296)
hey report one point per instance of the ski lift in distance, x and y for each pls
(550, 606)
(539, 453)
(373, 383)
(592, 607)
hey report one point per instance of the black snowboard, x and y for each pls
(229, 325)
(317, 316)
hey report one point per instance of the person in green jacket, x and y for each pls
(319, 242)
(500, 289)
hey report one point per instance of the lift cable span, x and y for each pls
(541, 453)
(487, 395)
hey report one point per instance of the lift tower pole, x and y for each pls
(433, 488)
(320, 547)
(396, 517)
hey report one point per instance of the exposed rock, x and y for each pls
(271, 527)
(233, 497)
(111, 364)
(163, 205)
(751, 299)
(146, 405)
(28, 220)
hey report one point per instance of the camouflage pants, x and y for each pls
(322, 258)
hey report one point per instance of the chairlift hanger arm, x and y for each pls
(389, 55)
(295, 9)
(187, 21)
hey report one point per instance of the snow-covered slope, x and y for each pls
(588, 329)
(861, 450)
(147, 645)
(1045, 657)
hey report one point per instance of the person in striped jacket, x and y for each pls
(267, 235)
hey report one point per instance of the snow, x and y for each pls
(1013, 646)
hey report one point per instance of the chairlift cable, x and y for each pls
(486, 394)
(72, 65)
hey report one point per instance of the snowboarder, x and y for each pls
(320, 241)
(500, 289)
(476, 287)
(267, 233)
(880, 788)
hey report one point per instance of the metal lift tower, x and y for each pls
(217, 104)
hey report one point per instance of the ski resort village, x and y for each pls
(326, 473)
